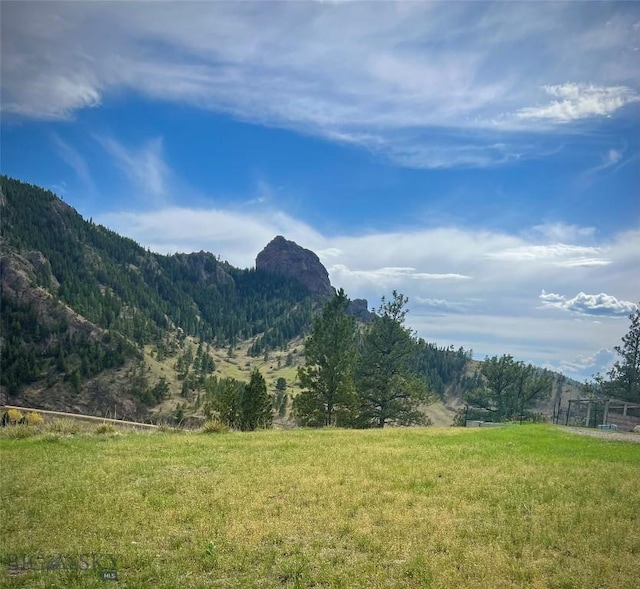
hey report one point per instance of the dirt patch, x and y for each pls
(606, 434)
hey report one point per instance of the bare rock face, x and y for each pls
(287, 258)
(359, 308)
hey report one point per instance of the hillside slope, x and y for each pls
(80, 304)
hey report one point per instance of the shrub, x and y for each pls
(215, 426)
(34, 418)
(106, 428)
(16, 432)
(64, 426)
(14, 416)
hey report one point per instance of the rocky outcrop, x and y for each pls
(206, 269)
(18, 282)
(359, 308)
(289, 259)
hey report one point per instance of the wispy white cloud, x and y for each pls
(612, 160)
(445, 152)
(612, 157)
(389, 275)
(579, 101)
(53, 97)
(559, 254)
(589, 304)
(74, 159)
(562, 232)
(442, 306)
(145, 167)
(400, 80)
(584, 366)
(607, 163)
(584, 262)
(264, 193)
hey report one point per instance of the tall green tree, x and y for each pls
(388, 386)
(624, 376)
(255, 404)
(509, 388)
(327, 376)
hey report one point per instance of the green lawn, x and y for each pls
(528, 506)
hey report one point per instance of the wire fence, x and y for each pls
(598, 413)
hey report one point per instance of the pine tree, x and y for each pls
(224, 398)
(625, 374)
(327, 376)
(388, 387)
(255, 404)
(509, 388)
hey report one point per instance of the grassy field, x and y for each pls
(529, 506)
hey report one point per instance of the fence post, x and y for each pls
(605, 417)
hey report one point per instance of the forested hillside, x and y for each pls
(113, 282)
(78, 299)
(92, 322)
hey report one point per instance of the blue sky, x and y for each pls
(481, 158)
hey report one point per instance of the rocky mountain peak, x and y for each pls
(287, 258)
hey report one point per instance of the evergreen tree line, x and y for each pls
(382, 374)
(506, 390)
(33, 349)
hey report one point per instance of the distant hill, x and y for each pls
(92, 322)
